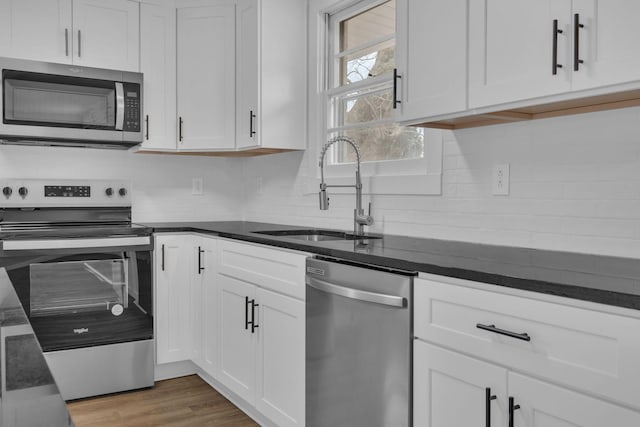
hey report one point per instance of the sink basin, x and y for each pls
(315, 235)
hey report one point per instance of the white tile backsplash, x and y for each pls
(575, 186)
(161, 184)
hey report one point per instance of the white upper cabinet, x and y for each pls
(206, 75)
(36, 29)
(158, 63)
(91, 33)
(106, 34)
(248, 73)
(282, 84)
(608, 42)
(511, 50)
(431, 58)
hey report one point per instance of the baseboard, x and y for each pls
(242, 404)
(174, 370)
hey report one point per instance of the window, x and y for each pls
(360, 93)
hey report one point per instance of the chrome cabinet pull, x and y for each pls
(66, 42)
(146, 123)
(576, 42)
(180, 129)
(79, 43)
(554, 58)
(163, 257)
(492, 328)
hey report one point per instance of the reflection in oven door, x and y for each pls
(86, 300)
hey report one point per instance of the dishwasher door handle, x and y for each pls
(357, 294)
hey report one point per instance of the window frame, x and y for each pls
(422, 176)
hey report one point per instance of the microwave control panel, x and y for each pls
(131, 107)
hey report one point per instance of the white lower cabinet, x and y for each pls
(450, 389)
(485, 358)
(237, 311)
(173, 298)
(262, 332)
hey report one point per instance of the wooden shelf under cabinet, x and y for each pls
(240, 153)
(542, 111)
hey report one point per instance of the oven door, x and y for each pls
(75, 297)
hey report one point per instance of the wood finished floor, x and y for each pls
(180, 402)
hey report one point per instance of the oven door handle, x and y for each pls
(47, 244)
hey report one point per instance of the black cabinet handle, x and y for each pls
(180, 129)
(246, 313)
(251, 117)
(488, 398)
(146, 123)
(254, 325)
(492, 328)
(576, 42)
(162, 258)
(396, 76)
(512, 407)
(200, 267)
(556, 31)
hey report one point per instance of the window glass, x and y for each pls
(360, 97)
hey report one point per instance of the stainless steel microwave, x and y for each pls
(67, 105)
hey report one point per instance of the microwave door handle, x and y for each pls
(119, 106)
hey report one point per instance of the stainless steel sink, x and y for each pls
(315, 235)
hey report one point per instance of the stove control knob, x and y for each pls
(23, 191)
(109, 191)
(122, 192)
(7, 191)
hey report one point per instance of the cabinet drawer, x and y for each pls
(276, 269)
(584, 349)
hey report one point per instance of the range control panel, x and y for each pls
(28, 193)
(67, 191)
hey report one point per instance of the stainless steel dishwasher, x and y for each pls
(358, 345)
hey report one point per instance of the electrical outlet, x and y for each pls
(196, 186)
(501, 180)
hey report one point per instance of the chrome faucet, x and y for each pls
(360, 219)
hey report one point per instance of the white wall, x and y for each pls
(575, 186)
(161, 183)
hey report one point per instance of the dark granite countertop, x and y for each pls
(27, 383)
(603, 279)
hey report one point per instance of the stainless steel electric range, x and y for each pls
(83, 274)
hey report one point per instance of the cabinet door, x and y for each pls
(206, 77)
(608, 42)
(280, 391)
(546, 405)
(431, 57)
(247, 113)
(450, 389)
(236, 340)
(511, 50)
(106, 34)
(209, 307)
(173, 277)
(158, 63)
(36, 29)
